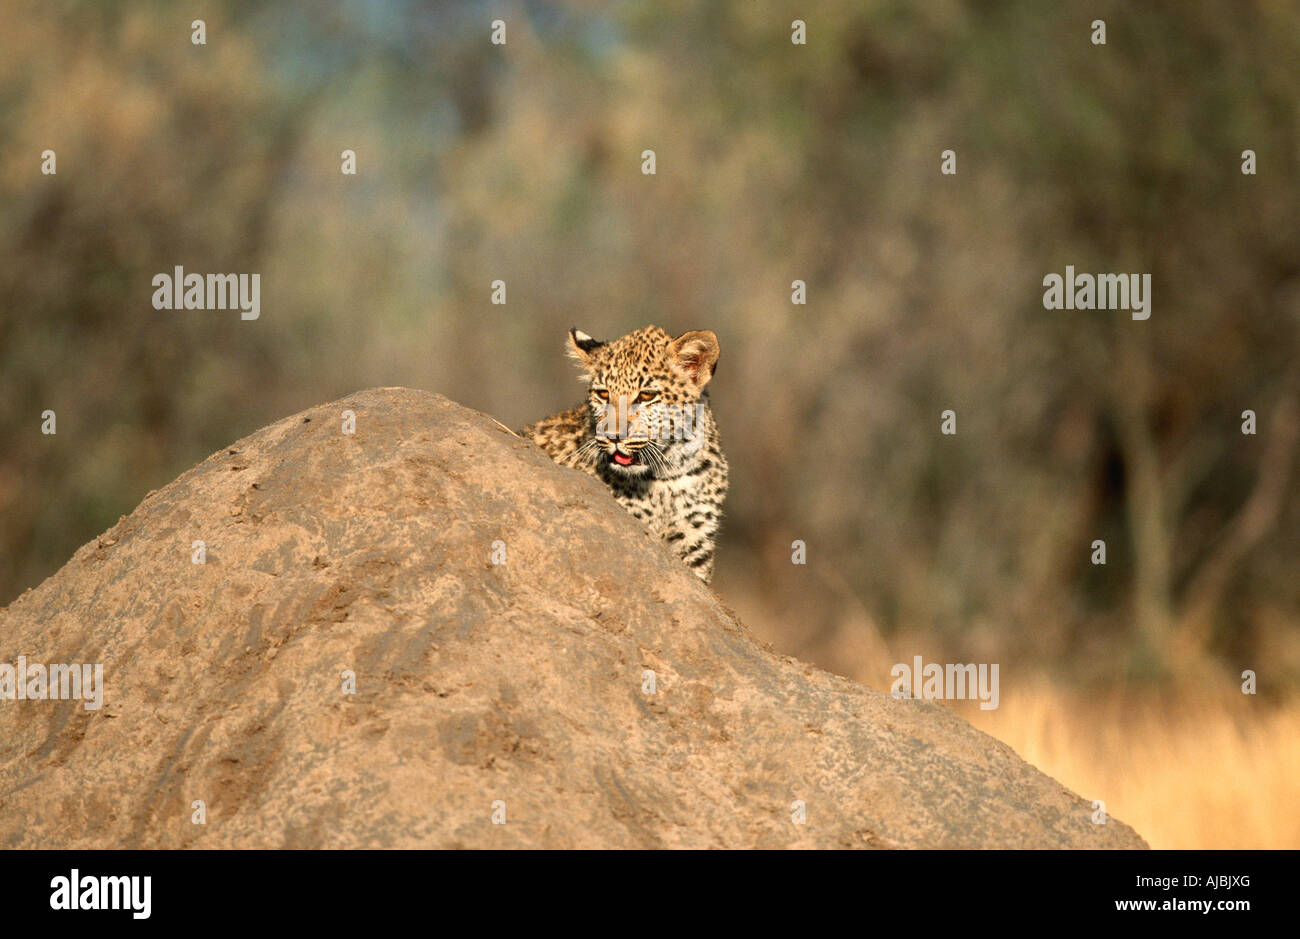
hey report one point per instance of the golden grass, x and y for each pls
(1195, 769)
(1190, 764)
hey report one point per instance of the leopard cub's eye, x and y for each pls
(602, 394)
(647, 395)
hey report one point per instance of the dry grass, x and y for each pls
(1187, 770)
(1195, 764)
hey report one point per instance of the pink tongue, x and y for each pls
(622, 459)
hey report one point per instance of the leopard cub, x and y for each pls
(646, 431)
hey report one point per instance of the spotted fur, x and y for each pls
(647, 432)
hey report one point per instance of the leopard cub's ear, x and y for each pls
(581, 346)
(695, 355)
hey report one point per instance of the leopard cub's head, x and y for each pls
(645, 394)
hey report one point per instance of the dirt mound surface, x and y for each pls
(585, 691)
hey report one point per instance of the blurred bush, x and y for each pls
(776, 162)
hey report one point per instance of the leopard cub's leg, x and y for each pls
(694, 545)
